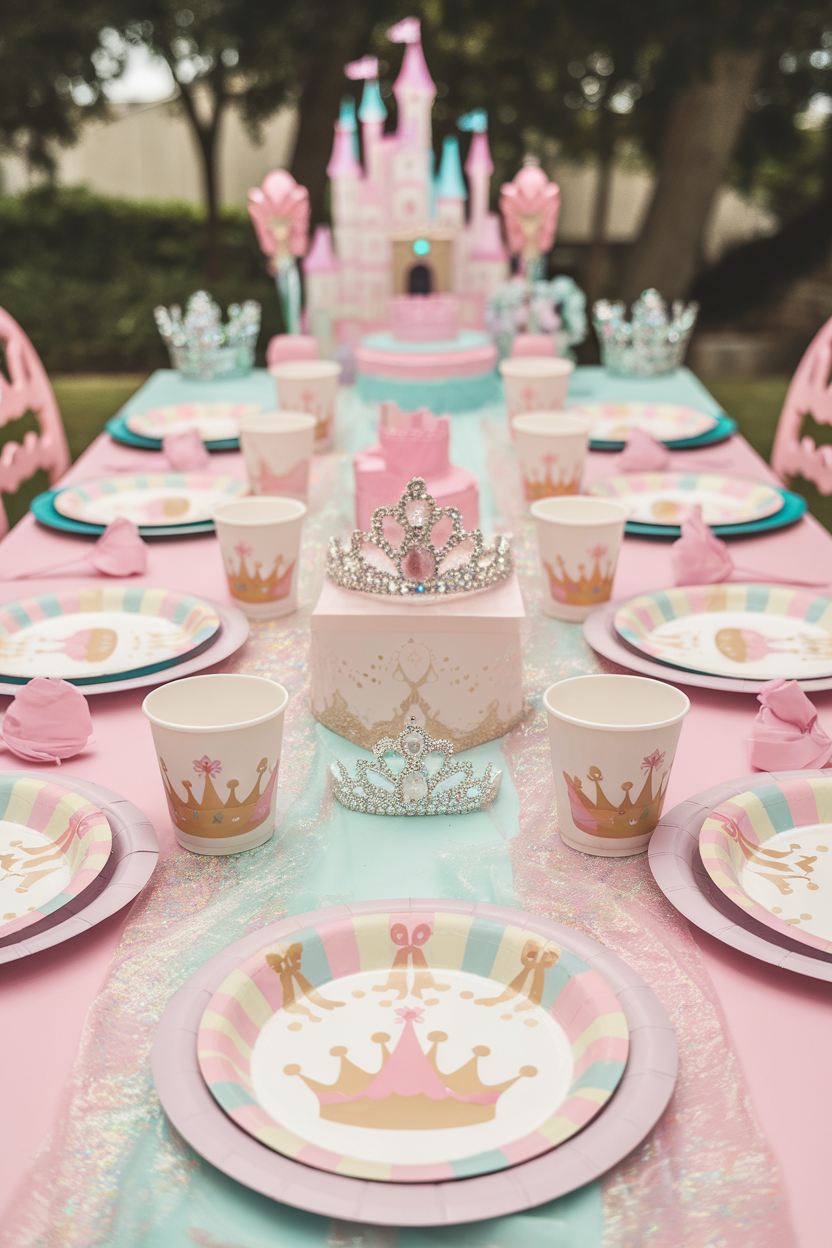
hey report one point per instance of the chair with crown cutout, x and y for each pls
(24, 387)
(810, 392)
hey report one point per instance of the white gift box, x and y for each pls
(455, 664)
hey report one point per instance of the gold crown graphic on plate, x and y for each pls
(251, 586)
(582, 590)
(379, 790)
(409, 1092)
(417, 568)
(628, 817)
(547, 487)
(212, 816)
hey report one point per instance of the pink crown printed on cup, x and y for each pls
(417, 567)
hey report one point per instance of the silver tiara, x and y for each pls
(377, 789)
(416, 568)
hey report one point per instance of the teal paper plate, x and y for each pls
(43, 509)
(794, 507)
(722, 430)
(116, 426)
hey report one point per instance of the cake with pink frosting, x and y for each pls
(412, 444)
(426, 360)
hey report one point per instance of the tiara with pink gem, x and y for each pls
(418, 567)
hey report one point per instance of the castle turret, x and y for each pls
(345, 174)
(372, 114)
(414, 88)
(479, 167)
(450, 190)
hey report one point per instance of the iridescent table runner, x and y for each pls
(114, 1173)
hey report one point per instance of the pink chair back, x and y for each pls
(810, 392)
(27, 389)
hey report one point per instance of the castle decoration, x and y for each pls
(378, 789)
(211, 816)
(409, 1092)
(547, 486)
(627, 818)
(399, 228)
(582, 590)
(249, 586)
(459, 563)
(279, 209)
(409, 444)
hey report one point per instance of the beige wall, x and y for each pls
(146, 152)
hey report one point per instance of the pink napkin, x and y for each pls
(47, 721)
(119, 551)
(643, 453)
(698, 556)
(786, 733)
(185, 451)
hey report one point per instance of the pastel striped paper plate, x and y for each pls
(769, 850)
(53, 844)
(666, 422)
(216, 422)
(413, 1047)
(746, 632)
(158, 499)
(664, 498)
(102, 633)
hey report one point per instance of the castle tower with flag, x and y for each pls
(400, 227)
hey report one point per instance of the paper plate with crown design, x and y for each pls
(413, 1047)
(746, 632)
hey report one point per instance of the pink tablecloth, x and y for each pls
(781, 1025)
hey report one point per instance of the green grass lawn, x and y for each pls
(88, 401)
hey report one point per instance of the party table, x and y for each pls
(778, 1025)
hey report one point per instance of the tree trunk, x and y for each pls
(318, 109)
(704, 124)
(205, 135)
(598, 264)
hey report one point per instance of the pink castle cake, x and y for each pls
(412, 444)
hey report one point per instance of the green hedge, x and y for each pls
(83, 272)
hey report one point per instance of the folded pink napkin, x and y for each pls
(786, 733)
(698, 556)
(47, 721)
(643, 453)
(119, 551)
(185, 451)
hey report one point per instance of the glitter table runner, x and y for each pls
(116, 1174)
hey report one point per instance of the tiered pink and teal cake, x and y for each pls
(425, 360)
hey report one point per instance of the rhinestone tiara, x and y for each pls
(377, 789)
(417, 569)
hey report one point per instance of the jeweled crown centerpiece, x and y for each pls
(419, 568)
(413, 789)
(201, 346)
(652, 343)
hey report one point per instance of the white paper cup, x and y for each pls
(578, 540)
(277, 447)
(535, 383)
(218, 741)
(551, 450)
(260, 541)
(310, 386)
(613, 741)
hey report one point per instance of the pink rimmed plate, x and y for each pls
(53, 843)
(413, 1047)
(677, 868)
(769, 849)
(666, 497)
(149, 499)
(215, 422)
(134, 852)
(666, 422)
(636, 1105)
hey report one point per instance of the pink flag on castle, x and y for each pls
(367, 67)
(408, 30)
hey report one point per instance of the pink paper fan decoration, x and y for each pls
(279, 209)
(530, 205)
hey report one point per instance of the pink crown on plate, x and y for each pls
(434, 557)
